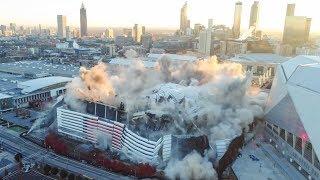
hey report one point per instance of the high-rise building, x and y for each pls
(237, 19)
(40, 30)
(143, 30)
(184, 21)
(198, 28)
(62, 23)
(210, 23)
(83, 21)
(68, 32)
(109, 33)
(136, 33)
(290, 9)
(296, 30)
(127, 32)
(254, 15)
(146, 41)
(13, 27)
(205, 39)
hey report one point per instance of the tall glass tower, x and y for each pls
(83, 21)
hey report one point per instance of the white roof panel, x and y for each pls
(4, 96)
(307, 106)
(291, 65)
(36, 84)
(267, 58)
(129, 62)
(307, 77)
(174, 57)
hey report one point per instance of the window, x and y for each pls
(110, 113)
(283, 134)
(298, 145)
(100, 110)
(316, 161)
(271, 69)
(290, 139)
(308, 151)
(276, 129)
(91, 108)
(269, 126)
(260, 70)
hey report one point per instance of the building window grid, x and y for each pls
(283, 134)
(290, 139)
(298, 145)
(316, 161)
(308, 151)
(276, 129)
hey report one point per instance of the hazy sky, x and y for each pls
(152, 13)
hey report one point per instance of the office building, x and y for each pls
(62, 23)
(296, 30)
(83, 21)
(143, 30)
(237, 19)
(205, 38)
(146, 40)
(210, 23)
(184, 21)
(197, 29)
(13, 27)
(68, 32)
(290, 9)
(127, 32)
(254, 15)
(109, 33)
(136, 33)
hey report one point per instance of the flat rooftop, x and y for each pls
(12, 85)
(38, 67)
(266, 58)
(9, 84)
(11, 117)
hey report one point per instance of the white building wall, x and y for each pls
(86, 127)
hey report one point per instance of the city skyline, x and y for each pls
(160, 14)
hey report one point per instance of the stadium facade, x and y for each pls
(292, 114)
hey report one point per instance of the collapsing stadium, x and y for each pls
(168, 116)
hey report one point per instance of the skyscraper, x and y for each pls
(146, 41)
(290, 9)
(210, 23)
(68, 32)
(197, 29)
(296, 30)
(143, 30)
(237, 19)
(184, 22)
(109, 33)
(83, 21)
(254, 15)
(205, 38)
(127, 32)
(62, 23)
(137, 32)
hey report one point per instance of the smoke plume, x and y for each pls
(193, 166)
(204, 97)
